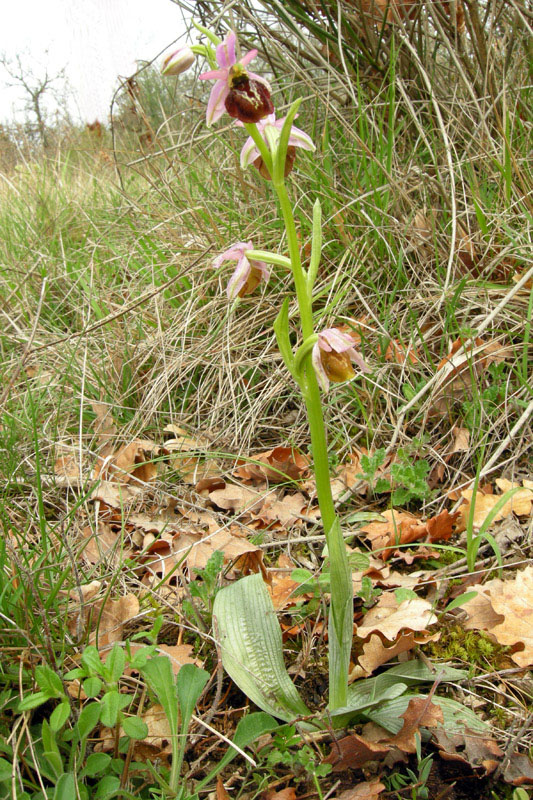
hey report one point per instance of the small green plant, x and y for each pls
(288, 749)
(415, 781)
(370, 464)
(62, 754)
(205, 583)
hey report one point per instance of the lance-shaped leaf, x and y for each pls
(252, 650)
(281, 329)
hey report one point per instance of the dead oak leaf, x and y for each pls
(277, 466)
(133, 460)
(388, 617)
(511, 621)
(111, 618)
(352, 752)
(519, 504)
(284, 794)
(469, 748)
(401, 527)
(420, 712)
(375, 653)
(369, 790)
(236, 498)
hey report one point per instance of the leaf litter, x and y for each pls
(167, 542)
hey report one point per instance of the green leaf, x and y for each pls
(5, 770)
(49, 681)
(106, 786)
(91, 659)
(33, 700)
(283, 143)
(65, 787)
(96, 763)
(88, 720)
(457, 717)
(281, 329)
(190, 684)
(252, 650)
(115, 662)
(460, 601)
(109, 708)
(59, 715)
(248, 730)
(135, 728)
(159, 676)
(92, 686)
(140, 658)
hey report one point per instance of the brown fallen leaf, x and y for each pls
(388, 617)
(401, 527)
(277, 466)
(519, 771)
(420, 713)
(104, 425)
(375, 653)
(369, 790)
(505, 610)
(284, 794)
(483, 755)
(285, 512)
(236, 498)
(461, 440)
(353, 751)
(520, 504)
(111, 618)
(133, 460)
(399, 353)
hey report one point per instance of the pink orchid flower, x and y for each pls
(244, 95)
(270, 130)
(332, 357)
(248, 274)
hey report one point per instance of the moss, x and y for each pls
(474, 647)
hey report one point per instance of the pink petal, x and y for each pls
(225, 52)
(239, 278)
(320, 372)
(334, 339)
(233, 253)
(215, 106)
(249, 153)
(250, 55)
(298, 138)
(215, 74)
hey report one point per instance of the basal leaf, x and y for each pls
(251, 645)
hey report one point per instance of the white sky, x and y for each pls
(94, 40)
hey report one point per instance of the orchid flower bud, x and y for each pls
(177, 62)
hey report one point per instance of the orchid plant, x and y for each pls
(249, 635)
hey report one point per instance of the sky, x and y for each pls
(94, 41)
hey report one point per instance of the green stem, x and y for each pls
(341, 609)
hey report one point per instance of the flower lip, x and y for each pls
(248, 272)
(332, 357)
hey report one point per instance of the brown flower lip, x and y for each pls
(338, 366)
(289, 164)
(248, 100)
